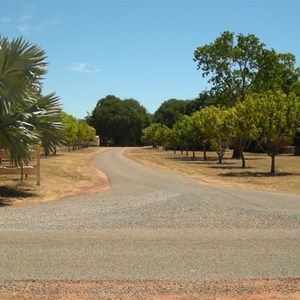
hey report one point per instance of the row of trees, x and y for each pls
(237, 67)
(76, 133)
(27, 118)
(254, 96)
(271, 120)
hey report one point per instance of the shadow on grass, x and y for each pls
(229, 167)
(193, 159)
(254, 158)
(255, 174)
(8, 194)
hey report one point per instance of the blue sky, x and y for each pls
(139, 49)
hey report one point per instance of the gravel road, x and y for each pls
(152, 225)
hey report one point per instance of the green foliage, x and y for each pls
(186, 134)
(70, 132)
(275, 117)
(203, 100)
(76, 132)
(86, 133)
(119, 122)
(170, 112)
(46, 117)
(27, 118)
(239, 65)
(156, 134)
(217, 131)
(231, 64)
(277, 72)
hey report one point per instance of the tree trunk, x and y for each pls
(221, 153)
(204, 152)
(22, 173)
(243, 160)
(220, 158)
(273, 164)
(237, 153)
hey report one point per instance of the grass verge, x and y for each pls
(67, 173)
(256, 175)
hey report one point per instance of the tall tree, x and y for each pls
(119, 122)
(203, 100)
(170, 112)
(231, 64)
(239, 65)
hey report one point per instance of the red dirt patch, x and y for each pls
(151, 290)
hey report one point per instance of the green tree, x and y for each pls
(85, 133)
(170, 112)
(213, 124)
(239, 65)
(70, 132)
(202, 127)
(186, 134)
(277, 73)
(137, 119)
(231, 64)
(275, 117)
(241, 127)
(119, 122)
(203, 100)
(156, 135)
(172, 139)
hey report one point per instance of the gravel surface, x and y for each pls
(152, 225)
(154, 290)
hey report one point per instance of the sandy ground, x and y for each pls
(154, 290)
(151, 290)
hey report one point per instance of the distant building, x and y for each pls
(96, 142)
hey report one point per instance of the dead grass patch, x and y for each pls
(72, 173)
(256, 175)
(67, 173)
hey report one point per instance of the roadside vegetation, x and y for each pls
(253, 103)
(230, 173)
(249, 113)
(65, 174)
(29, 119)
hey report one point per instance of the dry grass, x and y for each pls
(67, 173)
(72, 173)
(255, 176)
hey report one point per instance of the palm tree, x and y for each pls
(46, 116)
(26, 117)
